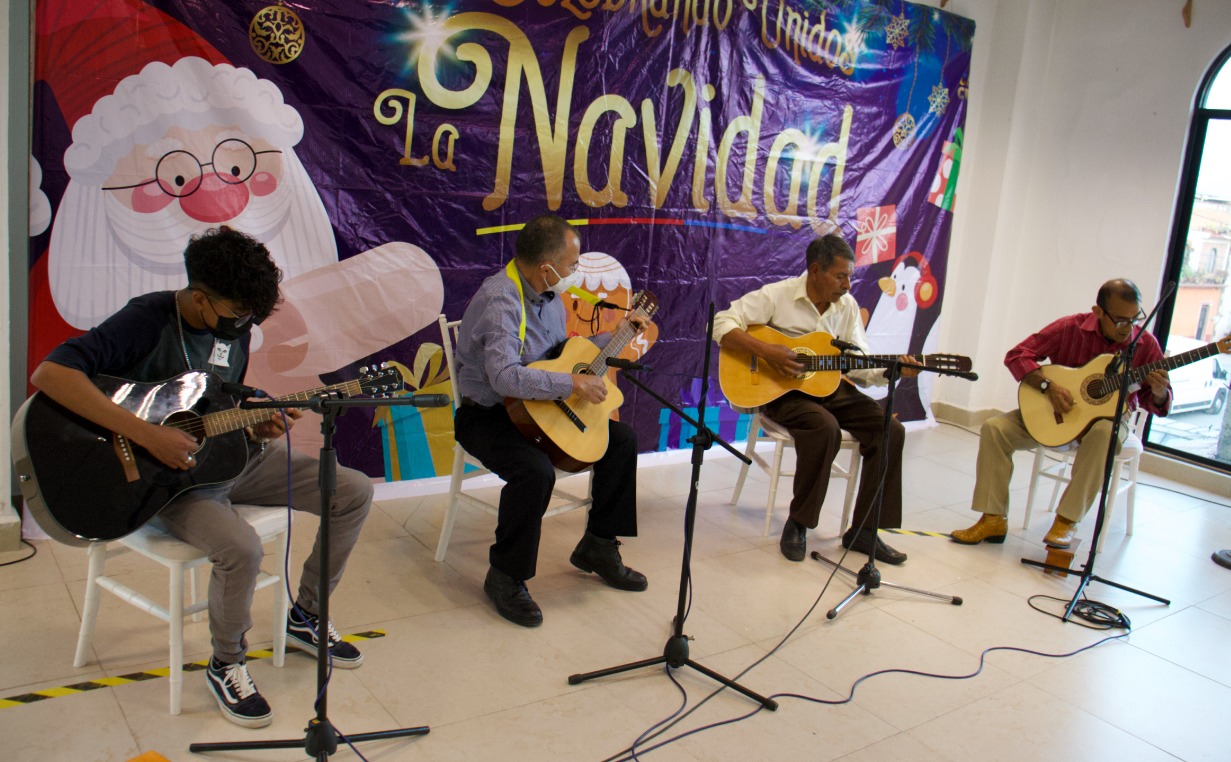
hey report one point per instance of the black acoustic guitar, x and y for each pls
(86, 484)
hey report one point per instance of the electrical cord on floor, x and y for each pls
(33, 553)
(1099, 615)
(662, 726)
(851, 695)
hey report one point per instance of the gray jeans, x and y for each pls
(205, 519)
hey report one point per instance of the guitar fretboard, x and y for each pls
(645, 307)
(814, 363)
(225, 421)
(1110, 384)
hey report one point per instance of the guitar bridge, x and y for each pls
(123, 451)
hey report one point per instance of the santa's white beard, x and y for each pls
(102, 253)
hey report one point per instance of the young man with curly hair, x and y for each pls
(232, 285)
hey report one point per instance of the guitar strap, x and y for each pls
(511, 271)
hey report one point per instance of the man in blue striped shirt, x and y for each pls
(517, 318)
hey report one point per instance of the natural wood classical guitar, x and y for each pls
(572, 431)
(1094, 393)
(747, 382)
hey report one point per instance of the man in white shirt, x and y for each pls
(820, 300)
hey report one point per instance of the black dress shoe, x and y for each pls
(512, 599)
(865, 541)
(793, 544)
(602, 556)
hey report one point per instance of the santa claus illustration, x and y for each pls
(186, 143)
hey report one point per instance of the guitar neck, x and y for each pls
(619, 339)
(850, 362)
(1136, 375)
(226, 421)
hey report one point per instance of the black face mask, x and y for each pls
(230, 329)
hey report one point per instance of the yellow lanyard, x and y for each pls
(511, 271)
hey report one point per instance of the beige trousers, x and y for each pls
(1006, 434)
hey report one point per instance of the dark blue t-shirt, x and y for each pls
(142, 342)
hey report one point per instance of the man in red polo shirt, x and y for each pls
(1073, 341)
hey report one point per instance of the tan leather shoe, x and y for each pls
(988, 527)
(1061, 533)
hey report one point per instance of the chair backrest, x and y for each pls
(1137, 421)
(448, 339)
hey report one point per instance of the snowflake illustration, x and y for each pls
(897, 30)
(939, 99)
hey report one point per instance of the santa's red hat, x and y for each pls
(83, 49)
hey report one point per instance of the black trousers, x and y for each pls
(529, 477)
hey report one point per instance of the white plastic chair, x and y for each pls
(763, 428)
(179, 557)
(466, 466)
(1058, 471)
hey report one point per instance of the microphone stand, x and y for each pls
(675, 653)
(321, 739)
(868, 578)
(1121, 381)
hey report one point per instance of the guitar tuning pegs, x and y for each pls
(363, 369)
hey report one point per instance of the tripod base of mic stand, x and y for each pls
(675, 655)
(1085, 580)
(867, 579)
(320, 742)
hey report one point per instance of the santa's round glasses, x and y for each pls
(178, 173)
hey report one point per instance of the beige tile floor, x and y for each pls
(494, 691)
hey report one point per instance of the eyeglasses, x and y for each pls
(179, 173)
(570, 269)
(240, 320)
(1137, 319)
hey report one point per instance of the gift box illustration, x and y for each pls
(876, 239)
(418, 441)
(944, 185)
(720, 417)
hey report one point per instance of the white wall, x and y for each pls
(1078, 116)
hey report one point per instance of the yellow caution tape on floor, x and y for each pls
(150, 674)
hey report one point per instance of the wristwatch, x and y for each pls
(1043, 385)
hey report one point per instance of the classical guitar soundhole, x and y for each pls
(807, 358)
(1092, 390)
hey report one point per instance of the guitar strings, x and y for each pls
(197, 426)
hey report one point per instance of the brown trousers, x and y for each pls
(816, 425)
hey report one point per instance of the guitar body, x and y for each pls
(747, 382)
(1094, 393)
(572, 431)
(1051, 429)
(84, 484)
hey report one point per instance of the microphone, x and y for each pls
(239, 390)
(428, 400)
(845, 346)
(617, 362)
(609, 306)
